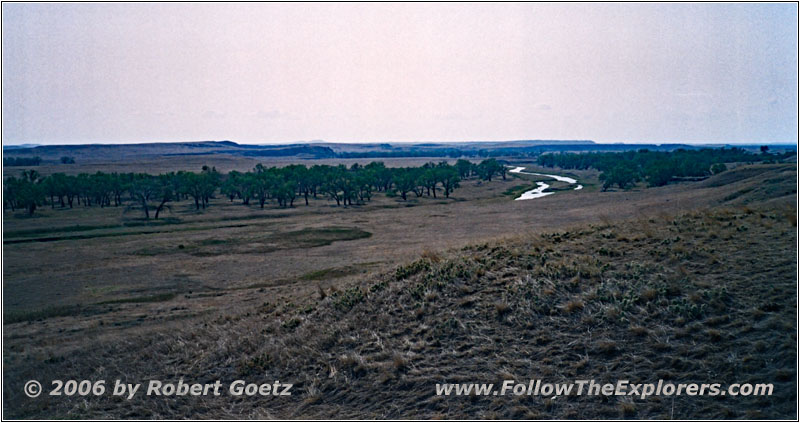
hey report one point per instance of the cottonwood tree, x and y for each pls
(141, 188)
(488, 168)
(465, 168)
(449, 178)
(405, 182)
(622, 175)
(164, 190)
(25, 192)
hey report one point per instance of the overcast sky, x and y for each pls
(258, 73)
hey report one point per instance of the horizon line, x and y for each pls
(319, 141)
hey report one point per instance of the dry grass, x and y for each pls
(573, 306)
(357, 349)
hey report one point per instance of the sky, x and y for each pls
(270, 73)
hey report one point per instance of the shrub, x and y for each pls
(718, 168)
(346, 300)
(412, 269)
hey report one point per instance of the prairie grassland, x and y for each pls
(365, 309)
(675, 298)
(223, 163)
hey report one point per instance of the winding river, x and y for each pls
(539, 191)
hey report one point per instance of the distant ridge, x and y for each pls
(327, 150)
(18, 146)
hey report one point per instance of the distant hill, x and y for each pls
(311, 150)
(324, 150)
(15, 147)
(92, 152)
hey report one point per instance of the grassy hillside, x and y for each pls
(705, 297)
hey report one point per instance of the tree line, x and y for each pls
(22, 161)
(347, 186)
(423, 150)
(658, 168)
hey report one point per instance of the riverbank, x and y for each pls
(541, 187)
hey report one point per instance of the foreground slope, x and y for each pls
(704, 297)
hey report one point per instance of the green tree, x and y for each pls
(192, 185)
(164, 190)
(718, 168)
(449, 178)
(488, 168)
(658, 174)
(464, 168)
(405, 182)
(232, 186)
(623, 175)
(429, 179)
(263, 183)
(141, 188)
(26, 192)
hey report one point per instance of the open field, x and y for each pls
(223, 162)
(311, 294)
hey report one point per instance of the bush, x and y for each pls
(344, 301)
(718, 168)
(412, 269)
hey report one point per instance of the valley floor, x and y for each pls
(693, 282)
